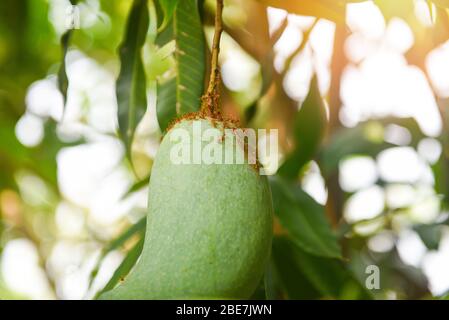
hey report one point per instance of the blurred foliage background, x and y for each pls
(359, 91)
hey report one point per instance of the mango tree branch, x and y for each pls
(300, 48)
(211, 97)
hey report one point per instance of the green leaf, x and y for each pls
(309, 127)
(125, 267)
(259, 293)
(181, 93)
(359, 140)
(440, 171)
(131, 82)
(168, 8)
(137, 186)
(430, 235)
(271, 281)
(166, 103)
(137, 228)
(63, 80)
(284, 278)
(367, 138)
(330, 277)
(304, 219)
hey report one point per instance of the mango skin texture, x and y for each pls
(208, 233)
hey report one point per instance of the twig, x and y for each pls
(301, 47)
(279, 31)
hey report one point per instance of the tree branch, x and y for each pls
(211, 98)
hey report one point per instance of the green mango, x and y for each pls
(209, 226)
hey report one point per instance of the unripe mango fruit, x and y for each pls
(209, 227)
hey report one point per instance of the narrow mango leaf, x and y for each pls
(166, 103)
(168, 8)
(304, 219)
(440, 171)
(259, 293)
(137, 186)
(284, 278)
(125, 267)
(309, 127)
(328, 9)
(430, 235)
(330, 277)
(137, 228)
(181, 93)
(271, 281)
(63, 80)
(367, 138)
(131, 82)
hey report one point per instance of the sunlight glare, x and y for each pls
(21, 271)
(365, 204)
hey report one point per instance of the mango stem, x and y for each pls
(210, 100)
